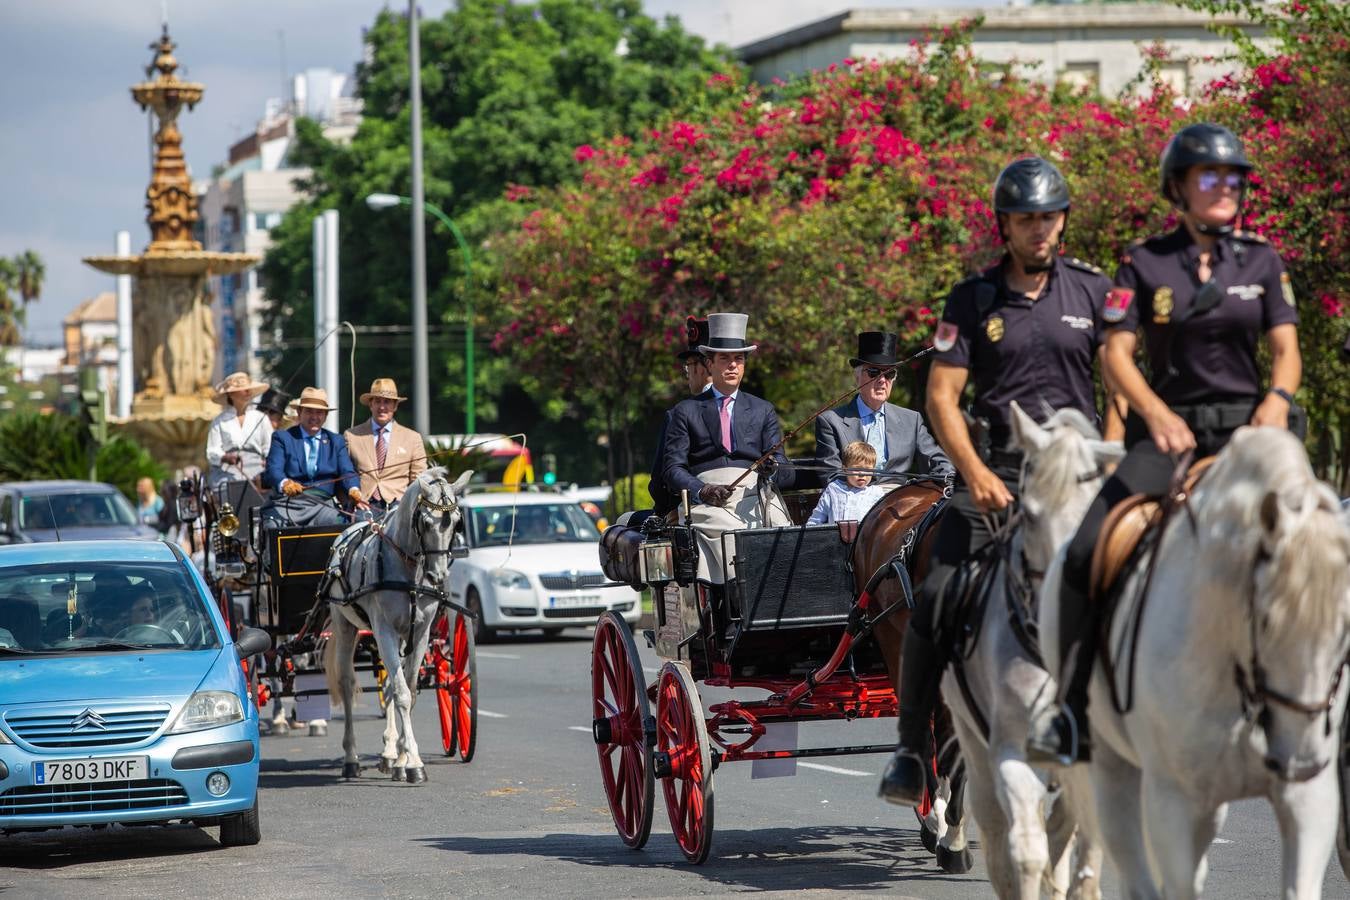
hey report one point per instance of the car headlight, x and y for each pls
(208, 709)
(506, 578)
(4, 738)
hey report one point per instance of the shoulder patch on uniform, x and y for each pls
(1080, 264)
(944, 338)
(1287, 288)
(1117, 304)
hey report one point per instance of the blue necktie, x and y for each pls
(312, 455)
(876, 436)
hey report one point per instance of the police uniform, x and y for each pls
(1203, 366)
(1036, 352)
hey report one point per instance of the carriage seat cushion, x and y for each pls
(1125, 526)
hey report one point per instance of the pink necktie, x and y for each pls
(381, 454)
(726, 423)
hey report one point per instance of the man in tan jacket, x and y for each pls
(387, 455)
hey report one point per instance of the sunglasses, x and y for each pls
(873, 372)
(1209, 179)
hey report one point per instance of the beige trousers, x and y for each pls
(751, 505)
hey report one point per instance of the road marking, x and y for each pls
(578, 728)
(835, 769)
(492, 715)
(650, 669)
(489, 655)
(1222, 841)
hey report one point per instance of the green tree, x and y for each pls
(29, 274)
(37, 446)
(10, 315)
(510, 90)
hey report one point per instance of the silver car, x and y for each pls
(39, 511)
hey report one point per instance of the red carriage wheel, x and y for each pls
(682, 735)
(438, 651)
(464, 689)
(620, 721)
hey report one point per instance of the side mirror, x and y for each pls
(458, 548)
(251, 642)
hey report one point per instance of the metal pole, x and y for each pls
(329, 355)
(126, 380)
(421, 380)
(320, 295)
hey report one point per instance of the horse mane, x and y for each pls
(1054, 480)
(403, 513)
(1308, 552)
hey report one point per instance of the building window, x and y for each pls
(1082, 75)
(1176, 73)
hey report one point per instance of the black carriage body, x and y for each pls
(296, 559)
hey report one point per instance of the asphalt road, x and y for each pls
(527, 817)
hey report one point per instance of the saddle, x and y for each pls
(1124, 529)
(340, 560)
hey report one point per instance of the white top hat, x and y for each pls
(726, 334)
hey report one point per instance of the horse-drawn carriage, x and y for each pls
(278, 569)
(791, 617)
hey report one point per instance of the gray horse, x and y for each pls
(395, 577)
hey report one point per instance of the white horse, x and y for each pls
(1237, 690)
(397, 575)
(994, 689)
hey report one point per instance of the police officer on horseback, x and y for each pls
(1024, 330)
(1202, 296)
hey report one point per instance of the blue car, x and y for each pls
(121, 695)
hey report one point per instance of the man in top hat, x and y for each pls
(898, 435)
(273, 403)
(310, 465)
(388, 456)
(714, 437)
(698, 377)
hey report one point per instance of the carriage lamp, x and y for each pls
(657, 562)
(188, 505)
(228, 523)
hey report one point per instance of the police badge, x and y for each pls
(1162, 305)
(1287, 288)
(993, 329)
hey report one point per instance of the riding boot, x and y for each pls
(921, 666)
(1060, 734)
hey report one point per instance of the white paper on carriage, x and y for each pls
(312, 700)
(777, 736)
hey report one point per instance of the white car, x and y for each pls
(534, 562)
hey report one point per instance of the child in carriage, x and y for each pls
(848, 499)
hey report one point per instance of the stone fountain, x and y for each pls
(173, 337)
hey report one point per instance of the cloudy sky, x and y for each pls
(74, 149)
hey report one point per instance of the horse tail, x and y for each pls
(330, 660)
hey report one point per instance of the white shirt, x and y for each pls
(251, 441)
(841, 502)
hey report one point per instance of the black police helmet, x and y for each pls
(1030, 185)
(1203, 143)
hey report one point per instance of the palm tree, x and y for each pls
(9, 318)
(29, 273)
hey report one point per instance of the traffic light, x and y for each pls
(92, 412)
(550, 468)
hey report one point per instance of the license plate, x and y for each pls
(578, 600)
(91, 771)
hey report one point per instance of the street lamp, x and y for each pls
(388, 201)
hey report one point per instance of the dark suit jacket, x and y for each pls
(663, 501)
(694, 440)
(286, 459)
(909, 446)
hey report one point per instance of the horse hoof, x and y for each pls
(280, 729)
(318, 730)
(929, 838)
(955, 862)
(351, 770)
(417, 775)
(398, 773)
(385, 766)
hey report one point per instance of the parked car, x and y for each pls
(38, 511)
(533, 563)
(121, 695)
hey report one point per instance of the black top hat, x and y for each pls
(274, 400)
(876, 348)
(695, 333)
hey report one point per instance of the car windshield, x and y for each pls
(97, 607)
(78, 509)
(532, 524)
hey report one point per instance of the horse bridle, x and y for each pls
(1256, 692)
